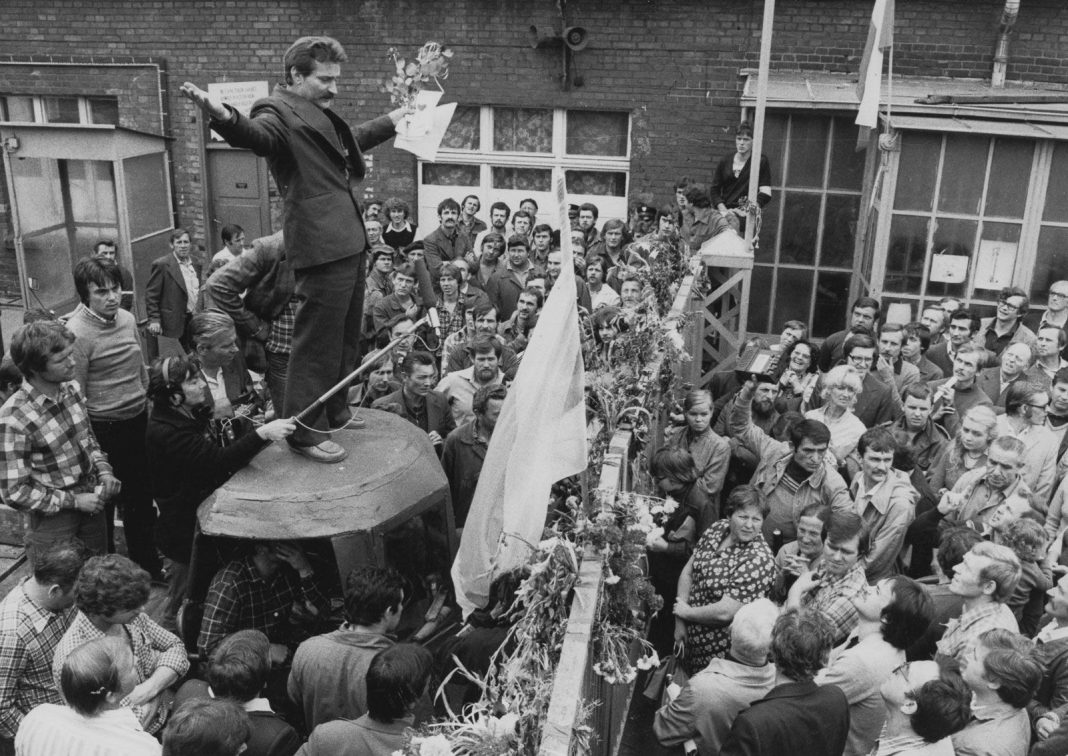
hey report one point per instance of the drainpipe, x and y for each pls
(1001, 54)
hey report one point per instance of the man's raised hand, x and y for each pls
(210, 105)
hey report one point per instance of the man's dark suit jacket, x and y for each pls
(438, 414)
(799, 719)
(317, 161)
(166, 298)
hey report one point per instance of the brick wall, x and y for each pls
(673, 63)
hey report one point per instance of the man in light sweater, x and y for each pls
(110, 369)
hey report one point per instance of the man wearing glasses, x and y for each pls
(1006, 327)
(1025, 418)
(1056, 313)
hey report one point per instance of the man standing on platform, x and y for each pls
(316, 160)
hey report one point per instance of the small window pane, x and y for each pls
(808, 151)
(522, 130)
(952, 237)
(800, 222)
(92, 191)
(760, 307)
(1057, 190)
(600, 183)
(525, 179)
(104, 110)
(146, 195)
(963, 174)
(593, 133)
(1010, 173)
(769, 228)
(61, 110)
(840, 230)
(463, 132)
(18, 109)
(917, 169)
(906, 254)
(1051, 262)
(847, 165)
(793, 296)
(832, 299)
(774, 145)
(449, 174)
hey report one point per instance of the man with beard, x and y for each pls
(445, 243)
(465, 448)
(763, 415)
(499, 215)
(790, 475)
(460, 387)
(184, 466)
(415, 401)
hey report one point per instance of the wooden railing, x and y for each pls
(576, 685)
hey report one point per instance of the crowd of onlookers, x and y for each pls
(856, 544)
(102, 413)
(862, 545)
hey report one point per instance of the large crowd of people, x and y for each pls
(862, 551)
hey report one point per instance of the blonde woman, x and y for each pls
(840, 389)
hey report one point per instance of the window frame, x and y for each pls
(559, 161)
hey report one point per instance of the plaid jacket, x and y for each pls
(29, 635)
(47, 449)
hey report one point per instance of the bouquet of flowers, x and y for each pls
(431, 64)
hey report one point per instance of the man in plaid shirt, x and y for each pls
(51, 466)
(33, 618)
(832, 588)
(270, 590)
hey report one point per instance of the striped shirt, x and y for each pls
(29, 635)
(47, 449)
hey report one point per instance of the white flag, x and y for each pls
(540, 437)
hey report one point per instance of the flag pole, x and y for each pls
(758, 121)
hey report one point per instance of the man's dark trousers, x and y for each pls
(124, 443)
(326, 342)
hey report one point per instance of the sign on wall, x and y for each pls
(239, 95)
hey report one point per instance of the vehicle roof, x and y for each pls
(391, 474)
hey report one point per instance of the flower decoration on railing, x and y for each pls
(430, 64)
(625, 523)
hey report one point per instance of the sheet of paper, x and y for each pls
(995, 264)
(422, 133)
(948, 268)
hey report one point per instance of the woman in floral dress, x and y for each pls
(731, 566)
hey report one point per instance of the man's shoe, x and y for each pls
(326, 452)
